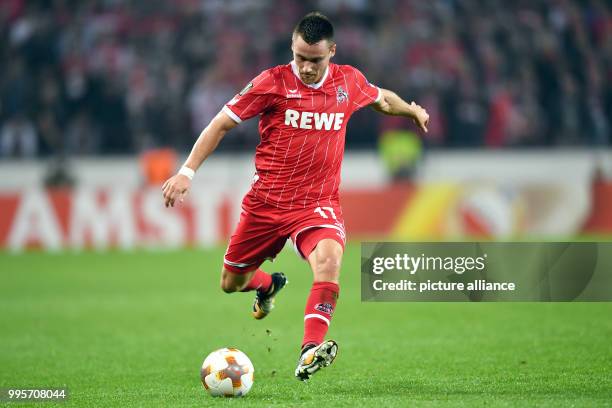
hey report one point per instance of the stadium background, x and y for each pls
(100, 101)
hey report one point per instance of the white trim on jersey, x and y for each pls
(296, 72)
(379, 95)
(231, 114)
(316, 316)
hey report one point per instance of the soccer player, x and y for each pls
(303, 109)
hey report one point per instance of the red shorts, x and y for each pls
(263, 231)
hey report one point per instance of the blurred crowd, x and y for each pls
(122, 76)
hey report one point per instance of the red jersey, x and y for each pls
(302, 128)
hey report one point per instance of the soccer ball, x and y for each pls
(227, 372)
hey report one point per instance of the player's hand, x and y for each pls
(176, 187)
(420, 116)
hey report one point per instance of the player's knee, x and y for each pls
(327, 268)
(228, 284)
(228, 287)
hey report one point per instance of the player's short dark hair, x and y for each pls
(314, 27)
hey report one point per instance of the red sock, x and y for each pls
(319, 310)
(259, 281)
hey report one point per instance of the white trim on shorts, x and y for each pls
(236, 264)
(295, 248)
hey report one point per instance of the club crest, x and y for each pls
(325, 308)
(341, 95)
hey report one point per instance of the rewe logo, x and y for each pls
(316, 120)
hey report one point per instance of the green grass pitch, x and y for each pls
(131, 329)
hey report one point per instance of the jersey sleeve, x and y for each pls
(254, 98)
(364, 92)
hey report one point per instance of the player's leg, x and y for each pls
(254, 240)
(325, 260)
(267, 286)
(244, 281)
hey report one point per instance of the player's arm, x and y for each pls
(390, 103)
(178, 185)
